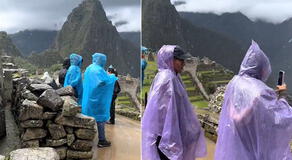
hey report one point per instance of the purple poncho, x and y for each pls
(254, 124)
(170, 114)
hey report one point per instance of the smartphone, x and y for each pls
(281, 78)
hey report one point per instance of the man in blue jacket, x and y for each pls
(97, 96)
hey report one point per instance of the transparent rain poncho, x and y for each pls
(98, 89)
(170, 115)
(74, 76)
(254, 123)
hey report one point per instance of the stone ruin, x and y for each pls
(216, 100)
(130, 86)
(52, 118)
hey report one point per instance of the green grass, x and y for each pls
(201, 104)
(220, 82)
(123, 98)
(196, 98)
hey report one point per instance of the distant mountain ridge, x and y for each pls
(162, 24)
(274, 39)
(33, 41)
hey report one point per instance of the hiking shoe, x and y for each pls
(103, 143)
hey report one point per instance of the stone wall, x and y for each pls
(216, 100)
(52, 118)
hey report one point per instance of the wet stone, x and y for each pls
(56, 131)
(62, 152)
(55, 143)
(66, 91)
(49, 115)
(79, 121)
(30, 144)
(44, 153)
(70, 106)
(82, 145)
(87, 134)
(34, 133)
(70, 139)
(29, 96)
(69, 130)
(50, 99)
(38, 89)
(35, 81)
(30, 110)
(31, 124)
(79, 155)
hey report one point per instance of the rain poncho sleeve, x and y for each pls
(74, 76)
(98, 89)
(170, 115)
(254, 123)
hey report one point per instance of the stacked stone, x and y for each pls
(52, 118)
(216, 100)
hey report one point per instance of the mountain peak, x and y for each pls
(87, 30)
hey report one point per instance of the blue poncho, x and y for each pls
(74, 77)
(143, 66)
(98, 89)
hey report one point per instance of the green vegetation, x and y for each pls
(149, 75)
(213, 76)
(54, 68)
(124, 99)
(23, 63)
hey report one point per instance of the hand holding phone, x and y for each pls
(281, 78)
(281, 86)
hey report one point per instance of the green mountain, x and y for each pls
(33, 41)
(7, 47)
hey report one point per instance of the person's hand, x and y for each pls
(281, 88)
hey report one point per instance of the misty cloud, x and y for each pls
(274, 11)
(16, 15)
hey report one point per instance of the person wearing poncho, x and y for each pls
(74, 76)
(255, 124)
(170, 129)
(143, 67)
(97, 95)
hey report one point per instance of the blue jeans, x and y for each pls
(101, 131)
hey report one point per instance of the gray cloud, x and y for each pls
(16, 15)
(274, 11)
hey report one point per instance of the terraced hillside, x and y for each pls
(126, 107)
(194, 93)
(213, 75)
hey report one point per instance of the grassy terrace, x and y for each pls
(213, 76)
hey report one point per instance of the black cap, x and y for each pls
(178, 53)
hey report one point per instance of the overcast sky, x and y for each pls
(16, 15)
(274, 11)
